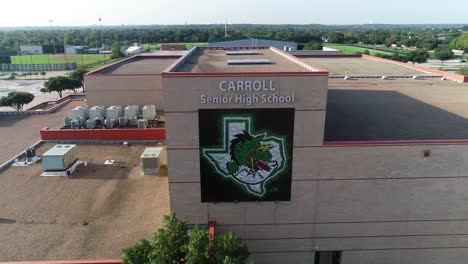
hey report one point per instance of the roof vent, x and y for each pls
(249, 62)
(242, 52)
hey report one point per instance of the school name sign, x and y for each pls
(247, 93)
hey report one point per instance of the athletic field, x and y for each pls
(80, 59)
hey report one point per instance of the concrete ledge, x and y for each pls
(58, 104)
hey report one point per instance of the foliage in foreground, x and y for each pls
(463, 71)
(173, 244)
(17, 100)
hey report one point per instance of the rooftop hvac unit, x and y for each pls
(67, 121)
(110, 123)
(75, 124)
(114, 112)
(91, 124)
(99, 121)
(149, 112)
(131, 111)
(133, 121)
(59, 157)
(150, 160)
(123, 121)
(142, 123)
(97, 111)
(80, 112)
(30, 153)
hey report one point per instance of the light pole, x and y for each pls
(53, 37)
(253, 41)
(102, 38)
(123, 33)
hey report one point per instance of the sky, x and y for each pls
(145, 12)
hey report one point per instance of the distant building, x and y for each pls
(173, 47)
(250, 41)
(31, 49)
(134, 50)
(72, 49)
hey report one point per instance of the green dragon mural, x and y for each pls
(249, 159)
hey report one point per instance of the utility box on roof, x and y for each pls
(59, 158)
(150, 160)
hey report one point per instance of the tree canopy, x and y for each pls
(116, 51)
(16, 100)
(443, 54)
(313, 45)
(174, 244)
(417, 56)
(59, 84)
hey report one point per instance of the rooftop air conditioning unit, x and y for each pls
(149, 112)
(150, 160)
(97, 112)
(91, 123)
(123, 121)
(114, 112)
(67, 121)
(80, 112)
(131, 111)
(142, 123)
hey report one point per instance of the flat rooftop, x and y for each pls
(93, 214)
(360, 66)
(206, 60)
(398, 109)
(24, 130)
(139, 65)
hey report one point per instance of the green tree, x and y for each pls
(170, 242)
(138, 253)
(173, 244)
(443, 54)
(462, 41)
(313, 45)
(229, 246)
(43, 74)
(16, 100)
(417, 56)
(116, 51)
(78, 75)
(73, 84)
(58, 84)
(463, 71)
(198, 247)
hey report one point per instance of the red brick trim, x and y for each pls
(391, 143)
(104, 134)
(357, 249)
(101, 261)
(448, 75)
(352, 237)
(383, 178)
(351, 222)
(337, 56)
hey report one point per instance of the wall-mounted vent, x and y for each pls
(242, 52)
(249, 62)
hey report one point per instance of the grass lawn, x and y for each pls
(347, 49)
(188, 45)
(80, 59)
